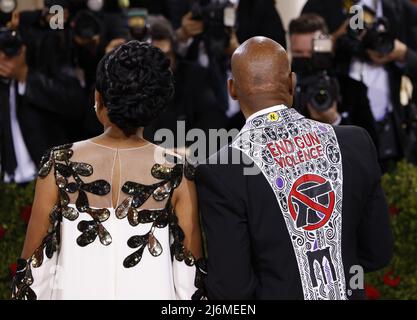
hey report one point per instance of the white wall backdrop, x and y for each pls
(29, 4)
(289, 9)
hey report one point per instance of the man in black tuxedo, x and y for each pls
(37, 111)
(316, 214)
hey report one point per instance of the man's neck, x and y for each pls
(268, 110)
(254, 108)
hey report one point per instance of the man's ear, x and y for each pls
(232, 89)
(292, 83)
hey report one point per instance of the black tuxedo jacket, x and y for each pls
(250, 254)
(48, 113)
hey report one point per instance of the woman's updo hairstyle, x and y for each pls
(136, 84)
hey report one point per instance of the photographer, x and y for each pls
(35, 110)
(93, 33)
(321, 93)
(194, 101)
(16, 162)
(377, 56)
(211, 41)
(320, 103)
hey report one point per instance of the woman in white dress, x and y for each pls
(115, 217)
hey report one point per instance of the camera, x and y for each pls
(374, 36)
(10, 42)
(85, 26)
(218, 18)
(315, 87)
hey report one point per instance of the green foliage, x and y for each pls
(13, 199)
(401, 191)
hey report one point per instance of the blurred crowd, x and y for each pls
(347, 74)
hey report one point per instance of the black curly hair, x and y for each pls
(136, 84)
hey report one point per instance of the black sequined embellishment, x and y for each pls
(22, 281)
(51, 242)
(57, 153)
(71, 187)
(61, 181)
(160, 218)
(123, 209)
(201, 274)
(174, 174)
(143, 216)
(83, 169)
(134, 243)
(69, 213)
(99, 187)
(140, 242)
(88, 231)
(154, 246)
(139, 192)
(162, 192)
(64, 154)
(133, 259)
(189, 171)
(64, 169)
(45, 168)
(82, 201)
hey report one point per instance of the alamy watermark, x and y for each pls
(57, 19)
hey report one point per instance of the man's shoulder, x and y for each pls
(227, 162)
(351, 134)
(356, 145)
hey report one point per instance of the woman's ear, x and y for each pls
(101, 111)
(99, 101)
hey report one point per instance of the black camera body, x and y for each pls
(218, 18)
(315, 87)
(375, 35)
(319, 90)
(10, 42)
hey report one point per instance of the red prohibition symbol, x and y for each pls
(306, 203)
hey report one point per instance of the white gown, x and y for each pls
(132, 252)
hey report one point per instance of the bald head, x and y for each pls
(261, 75)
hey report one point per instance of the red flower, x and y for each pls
(25, 213)
(389, 280)
(371, 292)
(393, 211)
(2, 232)
(13, 268)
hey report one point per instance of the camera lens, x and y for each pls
(10, 42)
(321, 100)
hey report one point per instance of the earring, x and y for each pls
(95, 107)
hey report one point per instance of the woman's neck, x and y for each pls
(114, 137)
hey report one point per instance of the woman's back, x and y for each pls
(115, 234)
